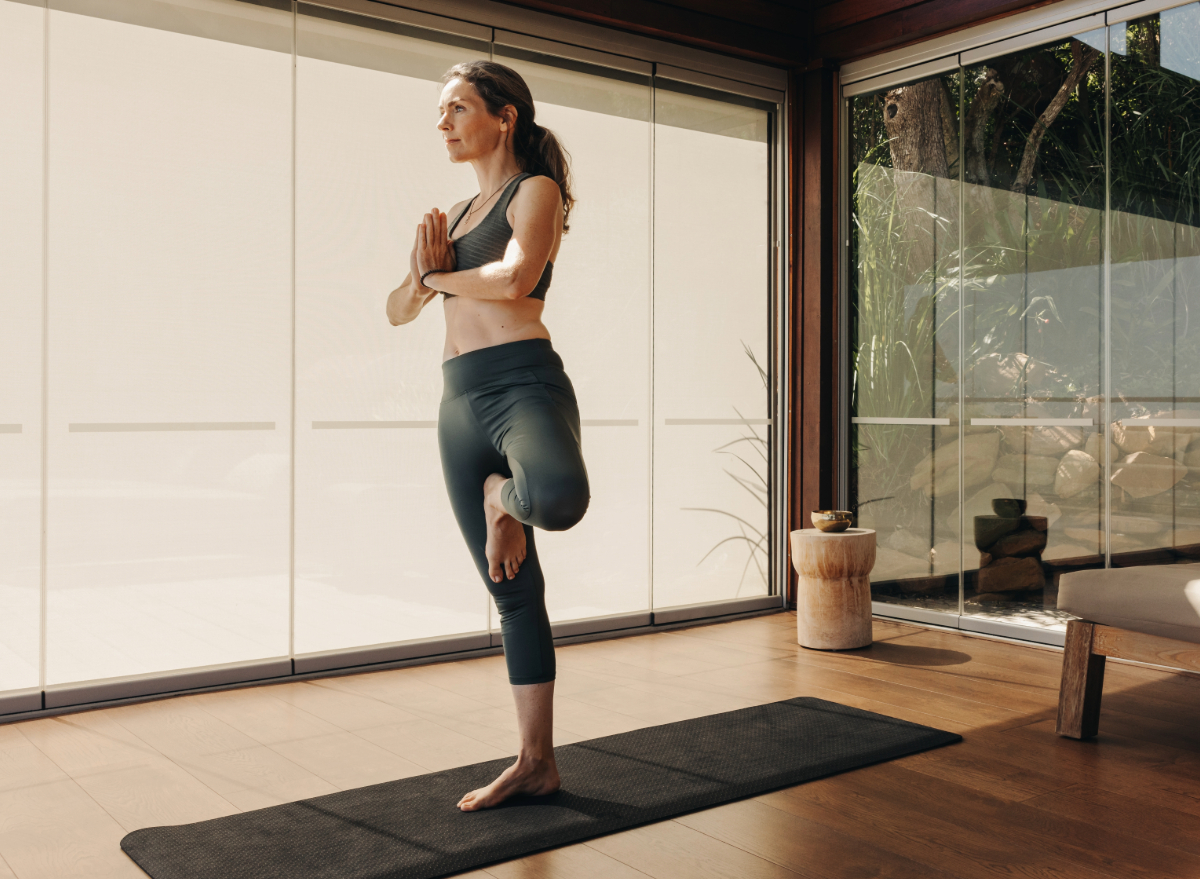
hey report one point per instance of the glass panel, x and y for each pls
(21, 59)
(598, 312)
(904, 283)
(1155, 234)
(170, 341)
(711, 348)
(379, 557)
(1033, 298)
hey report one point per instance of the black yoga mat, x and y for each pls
(411, 829)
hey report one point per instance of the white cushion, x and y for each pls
(1155, 599)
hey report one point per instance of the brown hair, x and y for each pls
(536, 149)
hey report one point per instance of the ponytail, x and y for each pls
(536, 149)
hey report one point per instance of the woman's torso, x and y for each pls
(480, 323)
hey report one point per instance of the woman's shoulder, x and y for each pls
(537, 189)
(538, 181)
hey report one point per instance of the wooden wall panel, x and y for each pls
(814, 333)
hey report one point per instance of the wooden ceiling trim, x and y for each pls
(912, 24)
(680, 25)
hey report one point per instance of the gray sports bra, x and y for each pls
(487, 242)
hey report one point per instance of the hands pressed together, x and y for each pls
(432, 248)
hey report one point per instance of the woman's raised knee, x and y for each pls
(561, 504)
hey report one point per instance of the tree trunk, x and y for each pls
(913, 117)
(991, 90)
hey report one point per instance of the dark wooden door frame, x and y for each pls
(812, 212)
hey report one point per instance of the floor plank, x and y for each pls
(669, 850)
(1012, 800)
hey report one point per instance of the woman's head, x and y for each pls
(486, 106)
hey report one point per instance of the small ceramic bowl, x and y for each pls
(831, 520)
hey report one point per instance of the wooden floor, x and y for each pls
(1012, 800)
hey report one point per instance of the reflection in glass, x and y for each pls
(1033, 299)
(904, 292)
(1155, 234)
(1078, 358)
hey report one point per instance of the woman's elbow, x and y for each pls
(519, 286)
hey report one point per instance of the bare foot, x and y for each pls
(533, 777)
(505, 549)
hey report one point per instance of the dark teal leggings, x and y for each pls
(511, 409)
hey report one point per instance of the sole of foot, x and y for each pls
(505, 548)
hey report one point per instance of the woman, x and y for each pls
(508, 427)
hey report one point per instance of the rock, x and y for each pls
(1050, 441)
(1134, 525)
(1062, 551)
(1144, 475)
(908, 542)
(1092, 539)
(1095, 537)
(1076, 471)
(1172, 441)
(1131, 438)
(979, 504)
(937, 474)
(1011, 575)
(945, 557)
(1038, 506)
(1027, 470)
(1094, 446)
(1008, 507)
(1169, 443)
(1191, 457)
(989, 529)
(1027, 542)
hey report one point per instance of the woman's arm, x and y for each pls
(537, 215)
(406, 301)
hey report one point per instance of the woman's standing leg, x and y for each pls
(470, 461)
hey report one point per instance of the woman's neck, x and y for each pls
(493, 171)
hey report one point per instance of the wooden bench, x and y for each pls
(1083, 669)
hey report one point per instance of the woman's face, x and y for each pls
(467, 127)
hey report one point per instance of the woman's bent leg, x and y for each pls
(541, 443)
(468, 459)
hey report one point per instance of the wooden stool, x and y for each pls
(833, 596)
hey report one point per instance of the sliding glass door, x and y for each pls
(206, 204)
(1025, 381)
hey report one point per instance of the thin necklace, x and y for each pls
(471, 212)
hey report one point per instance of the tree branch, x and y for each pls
(1083, 57)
